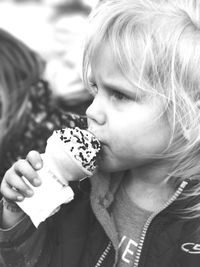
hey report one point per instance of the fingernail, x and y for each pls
(29, 192)
(37, 182)
(38, 165)
(20, 198)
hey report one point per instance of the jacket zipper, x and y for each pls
(104, 254)
(148, 222)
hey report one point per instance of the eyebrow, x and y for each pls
(120, 88)
(110, 86)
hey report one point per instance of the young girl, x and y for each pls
(142, 65)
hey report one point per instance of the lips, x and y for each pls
(94, 133)
(97, 135)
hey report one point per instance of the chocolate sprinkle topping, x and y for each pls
(82, 144)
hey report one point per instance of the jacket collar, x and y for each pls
(104, 187)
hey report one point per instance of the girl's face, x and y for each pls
(131, 128)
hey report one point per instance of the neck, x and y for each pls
(146, 186)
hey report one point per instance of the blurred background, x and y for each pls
(55, 30)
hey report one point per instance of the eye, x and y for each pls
(119, 96)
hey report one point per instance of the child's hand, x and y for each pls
(13, 186)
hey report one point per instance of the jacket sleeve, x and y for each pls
(22, 245)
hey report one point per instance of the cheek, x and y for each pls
(141, 135)
(151, 139)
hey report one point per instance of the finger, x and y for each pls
(23, 168)
(9, 193)
(34, 158)
(19, 184)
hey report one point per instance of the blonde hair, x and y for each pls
(157, 47)
(20, 67)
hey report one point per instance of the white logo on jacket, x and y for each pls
(191, 248)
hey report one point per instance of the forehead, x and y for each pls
(104, 63)
(106, 72)
(106, 69)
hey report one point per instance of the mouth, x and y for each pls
(103, 144)
(93, 133)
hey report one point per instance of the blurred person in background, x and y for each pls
(63, 68)
(28, 113)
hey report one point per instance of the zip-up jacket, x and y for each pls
(82, 234)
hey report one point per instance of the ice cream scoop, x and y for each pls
(70, 154)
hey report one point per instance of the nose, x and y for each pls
(96, 111)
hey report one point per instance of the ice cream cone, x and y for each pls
(62, 162)
(70, 155)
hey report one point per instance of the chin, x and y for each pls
(108, 163)
(106, 166)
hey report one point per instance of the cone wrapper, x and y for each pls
(47, 197)
(67, 157)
